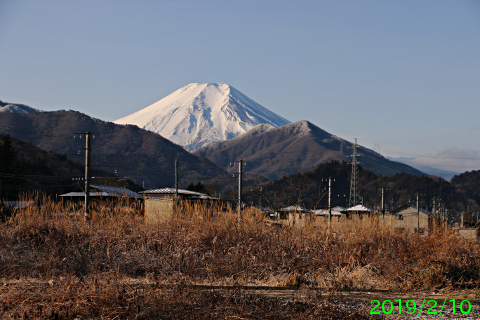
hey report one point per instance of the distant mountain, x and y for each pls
(16, 108)
(445, 174)
(141, 155)
(295, 147)
(201, 113)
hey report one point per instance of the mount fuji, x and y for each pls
(200, 113)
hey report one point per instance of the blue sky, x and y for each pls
(401, 76)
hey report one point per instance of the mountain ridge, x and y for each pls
(295, 147)
(142, 155)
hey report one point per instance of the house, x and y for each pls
(295, 215)
(321, 215)
(358, 211)
(160, 203)
(107, 196)
(409, 218)
(98, 193)
(283, 212)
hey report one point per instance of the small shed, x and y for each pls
(359, 210)
(294, 214)
(106, 198)
(321, 215)
(160, 203)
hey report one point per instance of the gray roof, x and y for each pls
(82, 194)
(294, 208)
(17, 204)
(411, 205)
(106, 191)
(336, 211)
(191, 194)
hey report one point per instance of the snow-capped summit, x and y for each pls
(200, 113)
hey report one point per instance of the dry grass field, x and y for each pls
(199, 265)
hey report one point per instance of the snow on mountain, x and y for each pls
(16, 108)
(200, 113)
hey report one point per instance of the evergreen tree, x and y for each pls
(7, 155)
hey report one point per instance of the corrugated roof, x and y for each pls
(82, 194)
(106, 191)
(324, 212)
(294, 208)
(180, 191)
(117, 192)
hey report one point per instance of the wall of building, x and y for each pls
(408, 220)
(158, 209)
(468, 233)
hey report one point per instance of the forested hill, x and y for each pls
(143, 156)
(308, 189)
(468, 183)
(26, 169)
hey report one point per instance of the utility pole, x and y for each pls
(435, 211)
(391, 215)
(240, 173)
(176, 187)
(383, 204)
(446, 218)
(329, 202)
(88, 135)
(418, 217)
(260, 200)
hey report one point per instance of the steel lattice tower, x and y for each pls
(354, 196)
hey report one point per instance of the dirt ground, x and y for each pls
(139, 299)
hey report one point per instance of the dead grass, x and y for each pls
(109, 297)
(57, 266)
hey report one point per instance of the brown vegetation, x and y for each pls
(56, 266)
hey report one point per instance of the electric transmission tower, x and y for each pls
(354, 196)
